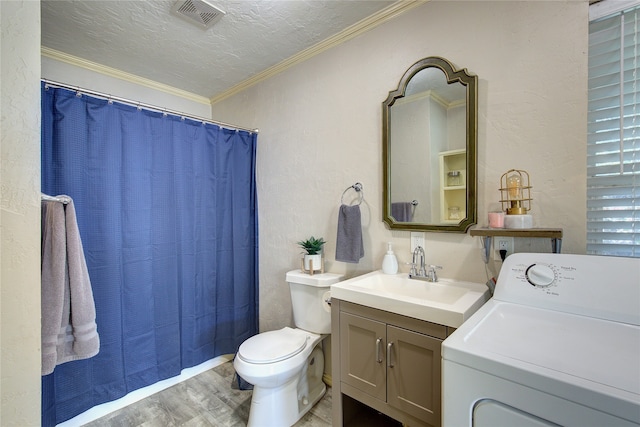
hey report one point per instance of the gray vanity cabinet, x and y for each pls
(413, 381)
(362, 341)
(385, 362)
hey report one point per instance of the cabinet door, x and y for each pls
(413, 373)
(362, 343)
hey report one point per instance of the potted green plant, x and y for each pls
(312, 253)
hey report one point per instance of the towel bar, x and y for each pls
(61, 199)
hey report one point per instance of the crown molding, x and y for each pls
(355, 30)
(112, 72)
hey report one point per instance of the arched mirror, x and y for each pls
(429, 134)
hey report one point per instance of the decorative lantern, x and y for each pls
(515, 198)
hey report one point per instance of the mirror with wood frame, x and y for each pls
(429, 134)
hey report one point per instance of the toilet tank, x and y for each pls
(309, 293)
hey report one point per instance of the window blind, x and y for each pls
(613, 136)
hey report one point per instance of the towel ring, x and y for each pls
(357, 187)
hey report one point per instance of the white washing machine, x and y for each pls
(558, 344)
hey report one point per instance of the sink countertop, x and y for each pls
(447, 302)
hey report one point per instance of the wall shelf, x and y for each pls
(555, 234)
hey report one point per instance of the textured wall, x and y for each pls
(20, 214)
(320, 131)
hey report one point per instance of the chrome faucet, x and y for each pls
(418, 268)
(417, 252)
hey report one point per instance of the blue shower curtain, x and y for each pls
(167, 212)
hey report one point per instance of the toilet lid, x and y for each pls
(273, 346)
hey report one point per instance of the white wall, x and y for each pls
(20, 214)
(320, 132)
(411, 175)
(63, 72)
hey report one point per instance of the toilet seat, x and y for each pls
(273, 346)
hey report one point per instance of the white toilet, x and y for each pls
(286, 366)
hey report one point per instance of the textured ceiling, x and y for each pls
(143, 37)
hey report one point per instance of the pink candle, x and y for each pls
(496, 219)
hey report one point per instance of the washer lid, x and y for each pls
(273, 346)
(556, 346)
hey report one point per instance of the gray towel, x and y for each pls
(402, 211)
(69, 329)
(349, 247)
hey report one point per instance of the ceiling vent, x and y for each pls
(198, 12)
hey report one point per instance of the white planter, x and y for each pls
(315, 259)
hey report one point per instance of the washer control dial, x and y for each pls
(540, 275)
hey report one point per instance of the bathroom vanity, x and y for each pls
(387, 332)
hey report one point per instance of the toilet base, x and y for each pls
(283, 406)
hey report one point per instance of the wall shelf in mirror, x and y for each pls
(453, 188)
(555, 234)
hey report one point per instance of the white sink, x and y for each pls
(447, 302)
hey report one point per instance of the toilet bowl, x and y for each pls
(286, 385)
(286, 366)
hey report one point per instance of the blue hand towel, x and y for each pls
(402, 211)
(349, 247)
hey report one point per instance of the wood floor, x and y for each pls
(208, 399)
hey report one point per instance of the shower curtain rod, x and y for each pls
(145, 106)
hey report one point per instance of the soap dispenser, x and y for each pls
(390, 262)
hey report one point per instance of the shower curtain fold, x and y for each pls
(168, 214)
